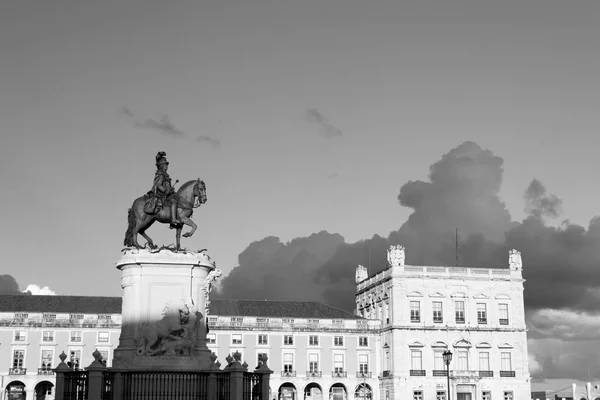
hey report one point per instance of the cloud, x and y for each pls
(8, 285)
(215, 143)
(126, 112)
(39, 291)
(560, 263)
(164, 126)
(326, 128)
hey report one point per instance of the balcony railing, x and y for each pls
(417, 372)
(289, 374)
(464, 374)
(363, 374)
(440, 372)
(507, 374)
(17, 371)
(486, 374)
(460, 320)
(339, 374)
(314, 374)
(45, 371)
(503, 321)
(482, 321)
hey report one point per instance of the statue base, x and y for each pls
(165, 296)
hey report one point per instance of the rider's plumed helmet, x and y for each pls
(161, 158)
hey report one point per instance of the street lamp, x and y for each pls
(447, 358)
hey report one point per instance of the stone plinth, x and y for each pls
(165, 297)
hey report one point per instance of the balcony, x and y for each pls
(503, 321)
(468, 374)
(288, 374)
(45, 371)
(482, 321)
(17, 371)
(460, 320)
(417, 372)
(314, 374)
(486, 374)
(339, 374)
(440, 372)
(507, 374)
(363, 374)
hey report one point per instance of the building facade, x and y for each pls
(475, 313)
(406, 318)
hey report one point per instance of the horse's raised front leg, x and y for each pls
(190, 223)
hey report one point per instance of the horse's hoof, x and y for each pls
(187, 235)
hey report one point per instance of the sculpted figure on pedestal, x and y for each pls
(164, 205)
(361, 274)
(395, 255)
(514, 260)
(173, 335)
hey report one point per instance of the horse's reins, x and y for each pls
(181, 199)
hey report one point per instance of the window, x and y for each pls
(418, 395)
(313, 323)
(236, 321)
(259, 356)
(338, 363)
(459, 308)
(486, 395)
(48, 336)
(212, 321)
(313, 340)
(18, 359)
(74, 358)
(76, 336)
(75, 317)
(102, 337)
(386, 313)
(19, 336)
(481, 313)
(104, 355)
(363, 364)
(21, 316)
(288, 321)
(211, 338)
(388, 363)
(262, 322)
(263, 339)
(288, 340)
(437, 312)
(503, 312)
(440, 395)
(462, 360)
(338, 323)
(438, 362)
(288, 362)
(506, 364)
(236, 338)
(415, 311)
(363, 341)
(104, 317)
(508, 395)
(484, 361)
(416, 360)
(313, 363)
(338, 341)
(46, 363)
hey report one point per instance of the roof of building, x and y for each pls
(112, 305)
(61, 304)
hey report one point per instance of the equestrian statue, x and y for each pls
(165, 205)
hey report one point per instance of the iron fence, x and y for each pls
(223, 386)
(76, 385)
(165, 386)
(252, 386)
(108, 383)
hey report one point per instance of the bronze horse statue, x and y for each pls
(190, 195)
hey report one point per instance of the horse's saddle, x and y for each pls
(152, 205)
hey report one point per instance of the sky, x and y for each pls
(300, 117)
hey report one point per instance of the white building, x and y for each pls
(475, 313)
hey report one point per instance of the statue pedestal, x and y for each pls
(165, 296)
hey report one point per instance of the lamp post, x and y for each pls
(447, 358)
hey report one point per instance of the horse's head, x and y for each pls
(200, 191)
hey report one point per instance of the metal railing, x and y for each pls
(165, 385)
(339, 374)
(289, 374)
(76, 385)
(417, 372)
(314, 374)
(486, 374)
(17, 371)
(108, 383)
(507, 374)
(252, 386)
(363, 374)
(45, 371)
(440, 372)
(223, 386)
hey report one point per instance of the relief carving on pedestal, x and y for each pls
(174, 335)
(210, 278)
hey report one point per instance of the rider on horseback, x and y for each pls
(162, 188)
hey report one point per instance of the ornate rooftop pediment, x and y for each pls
(462, 343)
(505, 346)
(502, 296)
(414, 294)
(480, 296)
(437, 295)
(460, 295)
(483, 345)
(416, 343)
(439, 345)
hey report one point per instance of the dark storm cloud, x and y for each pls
(8, 285)
(540, 204)
(326, 128)
(165, 126)
(126, 112)
(215, 143)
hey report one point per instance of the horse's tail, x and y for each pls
(129, 234)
